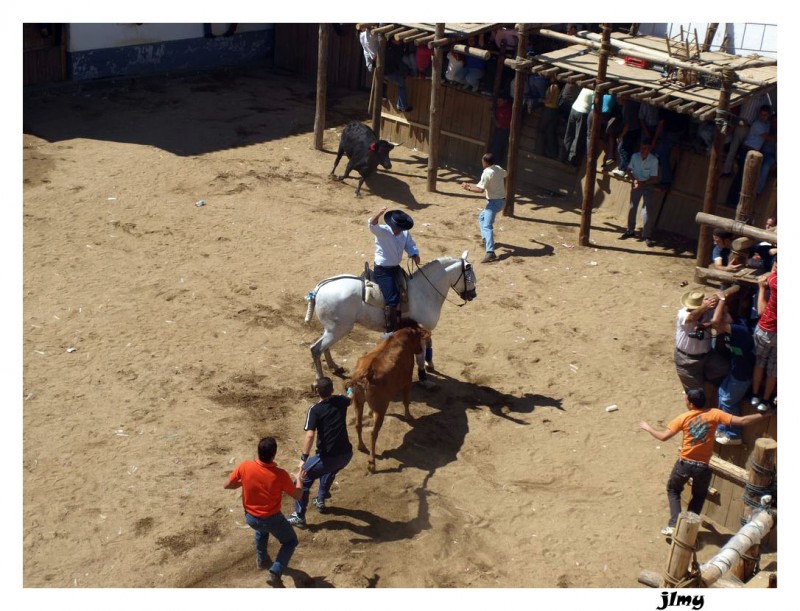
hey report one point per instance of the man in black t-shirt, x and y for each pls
(327, 421)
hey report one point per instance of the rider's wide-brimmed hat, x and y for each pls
(397, 219)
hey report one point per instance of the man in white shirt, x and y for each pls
(576, 124)
(391, 240)
(643, 173)
(492, 185)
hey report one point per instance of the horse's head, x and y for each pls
(466, 281)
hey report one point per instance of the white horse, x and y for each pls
(339, 305)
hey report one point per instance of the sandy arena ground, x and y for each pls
(189, 345)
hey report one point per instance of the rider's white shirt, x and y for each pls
(389, 247)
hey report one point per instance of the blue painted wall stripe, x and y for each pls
(243, 49)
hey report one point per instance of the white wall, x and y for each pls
(747, 38)
(90, 36)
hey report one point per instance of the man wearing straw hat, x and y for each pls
(695, 362)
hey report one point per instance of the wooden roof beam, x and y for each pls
(589, 80)
(517, 64)
(384, 28)
(361, 26)
(404, 35)
(416, 38)
(673, 104)
(474, 51)
(391, 33)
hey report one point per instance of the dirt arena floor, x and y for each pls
(162, 339)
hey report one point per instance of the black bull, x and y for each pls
(364, 152)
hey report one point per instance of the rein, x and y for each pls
(452, 286)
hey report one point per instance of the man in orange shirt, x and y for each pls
(698, 426)
(262, 483)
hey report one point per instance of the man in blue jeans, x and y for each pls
(492, 185)
(391, 241)
(735, 341)
(262, 483)
(327, 420)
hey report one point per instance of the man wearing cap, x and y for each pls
(694, 361)
(391, 240)
(327, 421)
(492, 185)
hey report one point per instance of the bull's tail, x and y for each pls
(311, 298)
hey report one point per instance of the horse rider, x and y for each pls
(391, 240)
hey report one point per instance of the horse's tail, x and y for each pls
(311, 297)
(312, 300)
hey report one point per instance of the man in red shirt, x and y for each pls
(502, 129)
(766, 339)
(698, 426)
(262, 483)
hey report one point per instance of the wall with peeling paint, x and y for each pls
(103, 50)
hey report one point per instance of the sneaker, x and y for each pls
(667, 531)
(626, 235)
(319, 504)
(296, 521)
(754, 400)
(274, 580)
(725, 440)
(490, 256)
(763, 406)
(618, 173)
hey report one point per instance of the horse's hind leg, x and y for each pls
(322, 347)
(377, 423)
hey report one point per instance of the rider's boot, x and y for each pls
(390, 318)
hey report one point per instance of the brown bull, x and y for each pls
(381, 373)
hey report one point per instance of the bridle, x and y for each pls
(466, 294)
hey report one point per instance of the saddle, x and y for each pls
(371, 293)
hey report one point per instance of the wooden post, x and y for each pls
(377, 77)
(322, 85)
(516, 123)
(680, 553)
(591, 164)
(747, 196)
(714, 166)
(434, 122)
(737, 227)
(498, 75)
(760, 473)
(711, 31)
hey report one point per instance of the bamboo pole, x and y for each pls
(322, 85)
(516, 124)
(591, 162)
(712, 177)
(682, 549)
(711, 31)
(747, 196)
(760, 473)
(377, 76)
(737, 227)
(750, 534)
(435, 114)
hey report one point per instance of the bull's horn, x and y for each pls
(396, 143)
